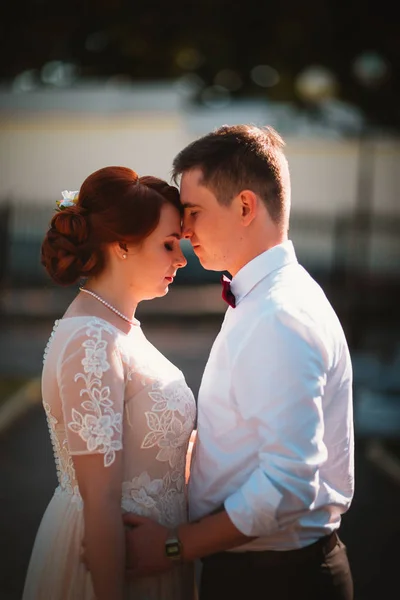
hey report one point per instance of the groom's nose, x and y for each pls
(186, 231)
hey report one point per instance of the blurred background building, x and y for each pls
(93, 83)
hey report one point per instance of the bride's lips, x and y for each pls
(170, 279)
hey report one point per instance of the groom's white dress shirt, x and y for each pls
(275, 420)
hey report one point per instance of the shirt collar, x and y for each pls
(260, 267)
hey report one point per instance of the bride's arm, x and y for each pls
(91, 378)
(100, 488)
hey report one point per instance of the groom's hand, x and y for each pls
(145, 546)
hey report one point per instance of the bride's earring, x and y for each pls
(124, 249)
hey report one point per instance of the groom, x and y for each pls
(272, 471)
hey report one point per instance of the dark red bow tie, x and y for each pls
(227, 293)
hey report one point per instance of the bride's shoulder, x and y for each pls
(73, 329)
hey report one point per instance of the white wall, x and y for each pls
(48, 145)
(40, 156)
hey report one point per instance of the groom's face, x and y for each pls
(208, 225)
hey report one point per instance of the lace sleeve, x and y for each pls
(91, 382)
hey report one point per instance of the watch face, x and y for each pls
(172, 549)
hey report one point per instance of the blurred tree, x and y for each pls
(221, 42)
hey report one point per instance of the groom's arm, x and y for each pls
(145, 541)
(208, 535)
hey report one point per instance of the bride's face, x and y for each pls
(151, 266)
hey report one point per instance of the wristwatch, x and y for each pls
(173, 546)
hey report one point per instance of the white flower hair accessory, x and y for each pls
(69, 199)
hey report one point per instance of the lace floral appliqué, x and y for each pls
(154, 498)
(99, 423)
(170, 423)
(167, 431)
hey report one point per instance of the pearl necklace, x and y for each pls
(110, 306)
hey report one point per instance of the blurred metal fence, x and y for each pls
(355, 258)
(330, 247)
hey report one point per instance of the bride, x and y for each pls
(120, 414)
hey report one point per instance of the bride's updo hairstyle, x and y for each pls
(114, 205)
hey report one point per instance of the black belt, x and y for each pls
(318, 550)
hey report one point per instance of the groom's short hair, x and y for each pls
(238, 157)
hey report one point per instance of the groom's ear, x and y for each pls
(248, 204)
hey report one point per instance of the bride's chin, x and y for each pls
(159, 294)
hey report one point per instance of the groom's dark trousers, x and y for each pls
(320, 571)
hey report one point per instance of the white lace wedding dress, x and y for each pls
(105, 392)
